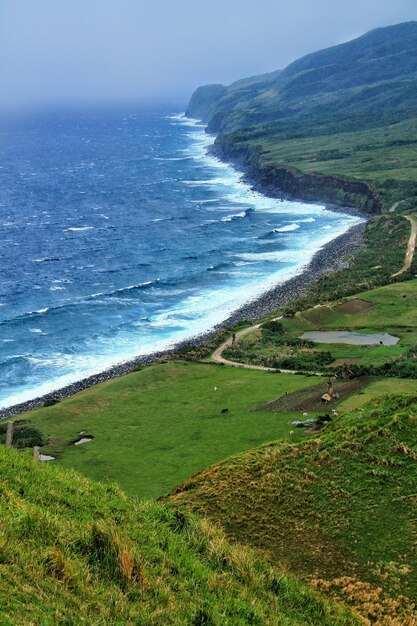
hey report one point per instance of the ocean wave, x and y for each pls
(224, 181)
(83, 300)
(219, 266)
(230, 218)
(184, 121)
(75, 229)
(286, 229)
(206, 201)
(288, 255)
(183, 158)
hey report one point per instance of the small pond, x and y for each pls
(355, 339)
(82, 440)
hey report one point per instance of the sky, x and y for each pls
(56, 52)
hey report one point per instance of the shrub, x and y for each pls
(25, 435)
(273, 326)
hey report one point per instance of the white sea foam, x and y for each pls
(80, 229)
(286, 229)
(276, 257)
(235, 216)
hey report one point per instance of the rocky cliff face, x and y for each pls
(281, 181)
(203, 100)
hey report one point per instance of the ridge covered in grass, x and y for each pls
(73, 551)
(338, 509)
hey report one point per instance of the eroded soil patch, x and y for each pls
(357, 305)
(310, 399)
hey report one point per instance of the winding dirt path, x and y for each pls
(409, 255)
(217, 356)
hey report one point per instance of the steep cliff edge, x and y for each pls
(203, 100)
(279, 180)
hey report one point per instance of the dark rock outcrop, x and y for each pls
(284, 182)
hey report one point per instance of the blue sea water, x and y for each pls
(120, 236)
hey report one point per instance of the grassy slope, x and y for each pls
(373, 72)
(77, 552)
(338, 509)
(154, 428)
(374, 155)
(392, 311)
(376, 150)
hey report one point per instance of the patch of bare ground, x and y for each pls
(310, 399)
(357, 305)
(339, 362)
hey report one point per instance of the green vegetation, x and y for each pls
(339, 509)
(384, 157)
(389, 309)
(375, 72)
(372, 266)
(336, 507)
(25, 435)
(154, 428)
(77, 552)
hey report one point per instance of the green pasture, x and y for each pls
(393, 311)
(375, 154)
(154, 428)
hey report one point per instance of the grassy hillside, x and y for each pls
(338, 509)
(374, 72)
(389, 309)
(154, 428)
(77, 552)
(376, 149)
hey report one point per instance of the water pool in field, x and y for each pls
(349, 337)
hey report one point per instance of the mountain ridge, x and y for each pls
(375, 71)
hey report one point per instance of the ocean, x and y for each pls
(120, 236)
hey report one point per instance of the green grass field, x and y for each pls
(374, 155)
(154, 428)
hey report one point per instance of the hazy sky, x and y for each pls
(54, 51)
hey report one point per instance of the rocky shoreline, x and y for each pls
(329, 258)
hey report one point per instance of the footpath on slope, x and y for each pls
(409, 255)
(217, 356)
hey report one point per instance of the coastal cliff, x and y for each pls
(336, 126)
(279, 180)
(203, 100)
